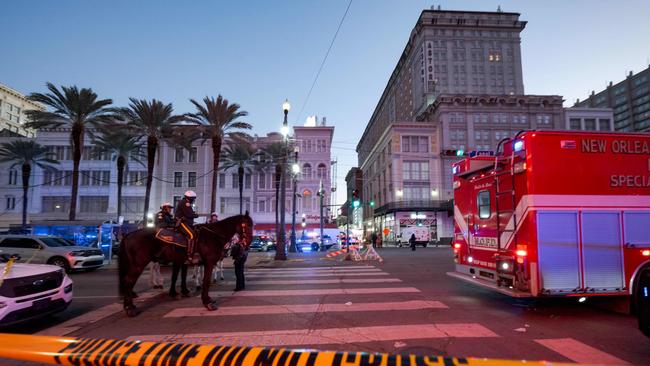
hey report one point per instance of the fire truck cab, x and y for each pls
(556, 214)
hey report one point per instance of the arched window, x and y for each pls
(306, 171)
(322, 171)
(306, 200)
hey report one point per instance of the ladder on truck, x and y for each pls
(504, 172)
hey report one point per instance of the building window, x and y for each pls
(483, 203)
(415, 170)
(13, 177)
(136, 178)
(262, 180)
(193, 155)
(322, 171)
(178, 157)
(247, 181)
(415, 144)
(543, 119)
(12, 113)
(222, 181)
(11, 203)
(175, 201)
(604, 124)
(306, 172)
(132, 204)
(178, 179)
(590, 124)
(261, 206)
(191, 179)
(93, 204)
(306, 200)
(51, 204)
(574, 124)
(235, 180)
(416, 193)
(222, 204)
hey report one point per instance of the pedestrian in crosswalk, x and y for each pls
(239, 254)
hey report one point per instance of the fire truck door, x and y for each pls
(558, 251)
(602, 251)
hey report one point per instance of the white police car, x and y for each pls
(29, 291)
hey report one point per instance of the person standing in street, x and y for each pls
(412, 242)
(373, 239)
(239, 254)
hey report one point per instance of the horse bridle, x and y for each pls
(242, 235)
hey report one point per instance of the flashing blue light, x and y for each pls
(455, 170)
(519, 145)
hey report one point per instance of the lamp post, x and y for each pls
(295, 169)
(281, 250)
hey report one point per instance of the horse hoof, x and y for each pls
(131, 312)
(211, 306)
(222, 278)
(173, 295)
(186, 294)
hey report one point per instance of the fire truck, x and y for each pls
(557, 214)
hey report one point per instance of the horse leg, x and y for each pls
(131, 278)
(198, 272)
(220, 267)
(205, 297)
(184, 291)
(172, 289)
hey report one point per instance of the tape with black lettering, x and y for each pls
(101, 352)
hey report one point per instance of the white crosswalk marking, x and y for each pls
(323, 282)
(580, 352)
(307, 308)
(313, 292)
(333, 270)
(305, 337)
(293, 275)
(315, 268)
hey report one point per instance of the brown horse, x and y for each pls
(141, 247)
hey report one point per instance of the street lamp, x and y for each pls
(295, 169)
(281, 252)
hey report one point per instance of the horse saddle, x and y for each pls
(172, 237)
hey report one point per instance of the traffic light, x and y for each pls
(356, 202)
(458, 152)
(372, 203)
(303, 223)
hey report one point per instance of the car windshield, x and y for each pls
(54, 242)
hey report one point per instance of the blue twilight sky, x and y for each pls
(257, 53)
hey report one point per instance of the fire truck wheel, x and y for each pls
(642, 300)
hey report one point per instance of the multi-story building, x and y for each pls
(630, 100)
(589, 119)
(176, 171)
(12, 113)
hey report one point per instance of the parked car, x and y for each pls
(30, 291)
(262, 244)
(313, 243)
(52, 250)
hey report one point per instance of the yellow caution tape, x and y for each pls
(104, 352)
(6, 270)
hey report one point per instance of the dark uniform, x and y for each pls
(164, 220)
(185, 215)
(239, 255)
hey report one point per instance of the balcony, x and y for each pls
(415, 205)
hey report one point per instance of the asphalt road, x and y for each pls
(405, 304)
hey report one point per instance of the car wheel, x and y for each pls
(314, 247)
(60, 262)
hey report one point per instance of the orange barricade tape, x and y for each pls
(100, 352)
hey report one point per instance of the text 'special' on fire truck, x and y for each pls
(557, 214)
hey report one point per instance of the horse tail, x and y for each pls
(123, 265)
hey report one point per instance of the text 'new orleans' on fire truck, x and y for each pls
(557, 214)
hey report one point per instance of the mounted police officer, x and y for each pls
(164, 218)
(185, 216)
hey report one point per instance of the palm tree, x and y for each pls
(26, 153)
(272, 156)
(72, 108)
(241, 155)
(154, 121)
(122, 146)
(217, 118)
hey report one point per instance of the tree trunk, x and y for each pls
(278, 170)
(216, 155)
(27, 171)
(152, 147)
(77, 145)
(121, 162)
(240, 175)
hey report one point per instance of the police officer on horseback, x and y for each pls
(185, 216)
(164, 218)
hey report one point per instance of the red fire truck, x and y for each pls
(557, 214)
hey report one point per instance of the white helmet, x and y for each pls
(213, 214)
(166, 204)
(190, 194)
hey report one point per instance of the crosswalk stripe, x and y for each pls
(301, 274)
(307, 308)
(314, 268)
(579, 352)
(324, 282)
(312, 292)
(332, 269)
(304, 337)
